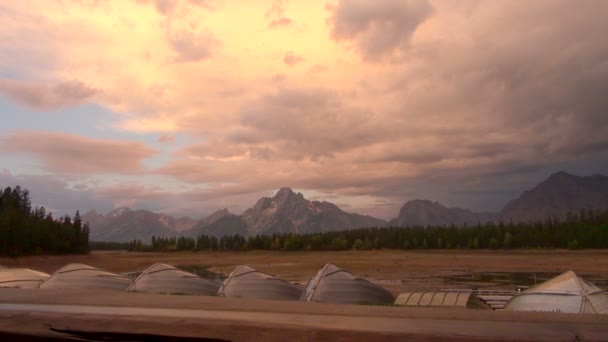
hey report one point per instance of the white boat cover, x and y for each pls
(565, 293)
(164, 278)
(246, 282)
(464, 299)
(24, 278)
(334, 285)
(79, 276)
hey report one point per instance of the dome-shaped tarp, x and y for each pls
(334, 285)
(24, 278)
(442, 299)
(79, 276)
(246, 282)
(163, 278)
(565, 293)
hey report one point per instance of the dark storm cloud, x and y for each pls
(517, 93)
(539, 83)
(377, 28)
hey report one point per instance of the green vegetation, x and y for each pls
(588, 229)
(26, 231)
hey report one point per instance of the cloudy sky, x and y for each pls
(188, 106)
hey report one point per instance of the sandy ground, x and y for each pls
(393, 269)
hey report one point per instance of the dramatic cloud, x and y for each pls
(72, 154)
(45, 97)
(303, 122)
(464, 102)
(377, 28)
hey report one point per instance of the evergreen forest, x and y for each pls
(27, 231)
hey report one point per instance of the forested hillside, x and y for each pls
(25, 231)
(587, 229)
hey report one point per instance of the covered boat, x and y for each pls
(164, 278)
(79, 276)
(565, 293)
(464, 299)
(24, 278)
(246, 282)
(334, 285)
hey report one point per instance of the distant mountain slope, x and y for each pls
(557, 195)
(227, 225)
(291, 212)
(221, 222)
(424, 213)
(125, 224)
(214, 217)
(284, 213)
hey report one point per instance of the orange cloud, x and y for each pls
(436, 102)
(73, 154)
(377, 28)
(46, 97)
(291, 58)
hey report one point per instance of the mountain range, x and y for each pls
(425, 213)
(557, 195)
(288, 211)
(124, 224)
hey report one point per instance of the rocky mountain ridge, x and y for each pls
(559, 194)
(425, 213)
(288, 211)
(125, 224)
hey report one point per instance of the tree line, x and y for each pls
(586, 229)
(25, 230)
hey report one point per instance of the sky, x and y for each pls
(188, 106)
